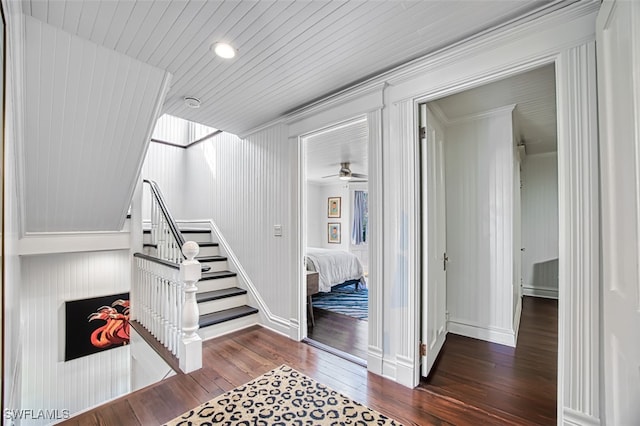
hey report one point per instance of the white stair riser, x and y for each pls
(209, 251)
(227, 327)
(217, 266)
(222, 304)
(219, 284)
(198, 238)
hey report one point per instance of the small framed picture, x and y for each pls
(334, 207)
(333, 233)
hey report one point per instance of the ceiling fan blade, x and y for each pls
(359, 175)
(329, 176)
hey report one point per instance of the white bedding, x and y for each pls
(333, 266)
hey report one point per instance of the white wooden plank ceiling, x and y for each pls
(289, 53)
(534, 94)
(347, 143)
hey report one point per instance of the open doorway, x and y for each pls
(336, 235)
(500, 254)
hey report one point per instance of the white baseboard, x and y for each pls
(546, 292)
(574, 418)
(389, 369)
(374, 360)
(516, 319)
(405, 372)
(489, 334)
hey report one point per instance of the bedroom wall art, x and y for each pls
(96, 324)
(334, 206)
(333, 232)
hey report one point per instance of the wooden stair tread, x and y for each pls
(208, 244)
(195, 231)
(226, 315)
(211, 258)
(208, 296)
(217, 275)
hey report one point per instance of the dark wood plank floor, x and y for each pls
(342, 332)
(239, 357)
(519, 382)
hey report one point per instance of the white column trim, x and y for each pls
(579, 241)
(376, 309)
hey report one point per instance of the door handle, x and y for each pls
(445, 259)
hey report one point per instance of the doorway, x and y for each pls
(492, 135)
(336, 235)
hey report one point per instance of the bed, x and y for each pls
(335, 267)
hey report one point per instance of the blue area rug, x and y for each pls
(345, 300)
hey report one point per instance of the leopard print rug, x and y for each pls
(282, 396)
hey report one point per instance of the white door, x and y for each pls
(618, 56)
(434, 239)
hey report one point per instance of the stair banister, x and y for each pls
(191, 345)
(164, 230)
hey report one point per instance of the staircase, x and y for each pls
(222, 304)
(183, 291)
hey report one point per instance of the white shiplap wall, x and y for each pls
(89, 112)
(48, 382)
(317, 220)
(540, 225)
(12, 279)
(244, 186)
(479, 186)
(166, 165)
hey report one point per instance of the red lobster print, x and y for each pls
(116, 330)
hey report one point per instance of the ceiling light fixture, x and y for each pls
(192, 102)
(223, 50)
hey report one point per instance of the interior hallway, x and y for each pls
(516, 384)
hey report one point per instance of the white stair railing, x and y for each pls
(164, 303)
(165, 233)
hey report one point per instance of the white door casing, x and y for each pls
(434, 276)
(618, 43)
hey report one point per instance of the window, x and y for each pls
(360, 228)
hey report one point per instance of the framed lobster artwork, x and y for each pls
(96, 324)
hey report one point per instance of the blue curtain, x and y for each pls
(360, 218)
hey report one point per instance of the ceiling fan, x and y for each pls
(345, 173)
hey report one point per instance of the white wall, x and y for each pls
(12, 279)
(48, 281)
(244, 186)
(317, 220)
(479, 163)
(167, 165)
(540, 225)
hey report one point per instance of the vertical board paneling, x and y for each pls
(540, 222)
(47, 282)
(479, 185)
(166, 165)
(244, 186)
(12, 279)
(88, 113)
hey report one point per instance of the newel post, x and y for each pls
(190, 354)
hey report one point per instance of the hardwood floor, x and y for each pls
(520, 382)
(239, 357)
(342, 332)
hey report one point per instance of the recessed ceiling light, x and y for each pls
(192, 102)
(223, 50)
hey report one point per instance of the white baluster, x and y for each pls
(191, 345)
